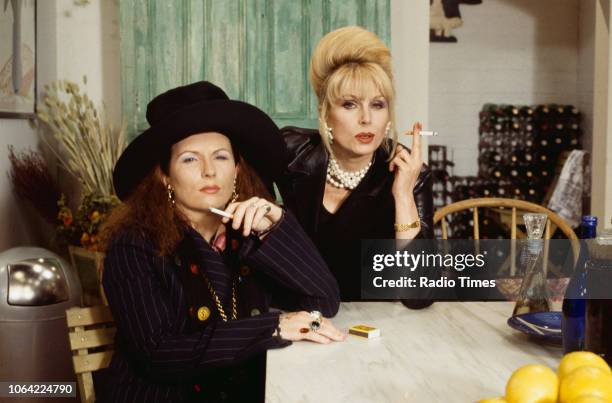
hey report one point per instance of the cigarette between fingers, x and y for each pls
(220, 212)
(423, 133)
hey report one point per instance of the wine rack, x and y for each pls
(441, 168)
(518, 151)
(519, 147)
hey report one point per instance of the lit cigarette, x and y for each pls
(424, 133)
(220, 212)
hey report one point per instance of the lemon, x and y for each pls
(588, 399)
(577, 359)
(532, 384)
(494, 400)
(592, 381)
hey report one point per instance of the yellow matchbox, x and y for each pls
(364, 331)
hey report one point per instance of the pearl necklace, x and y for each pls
(339, 178)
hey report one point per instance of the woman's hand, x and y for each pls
(255, 214)
(295, 326)
(407, 166)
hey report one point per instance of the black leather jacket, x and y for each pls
(304, 181)
(367, 213)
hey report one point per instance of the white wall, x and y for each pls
(603, 206)
(601, 161)
(71, 41)
(87, 43)
(510, 51)
(410, 51)
(586, 68)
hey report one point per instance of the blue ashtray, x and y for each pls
(543, 326)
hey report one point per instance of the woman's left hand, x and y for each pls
(255, 214)
(407, 166)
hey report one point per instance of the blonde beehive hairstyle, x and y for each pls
(351, 57)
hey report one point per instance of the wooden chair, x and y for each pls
(91, 336)
(515, 206)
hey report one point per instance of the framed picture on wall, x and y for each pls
(17, 58)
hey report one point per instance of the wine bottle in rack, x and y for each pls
(486, 189)
(526, 112)
(573, 141)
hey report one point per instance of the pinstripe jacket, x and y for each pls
(164, 351)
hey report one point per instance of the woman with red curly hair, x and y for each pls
(190, 290)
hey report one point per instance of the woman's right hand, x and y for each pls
(295, 326)
(407, 167)
(254, 214)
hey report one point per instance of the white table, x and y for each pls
(449, 352)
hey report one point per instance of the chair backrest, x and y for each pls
(510, 208)
(91, 335)
(513, 204)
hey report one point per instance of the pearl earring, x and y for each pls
(330, 135)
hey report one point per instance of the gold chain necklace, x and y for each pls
(218, 302)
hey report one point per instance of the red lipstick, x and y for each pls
(365, 138)
(210, 189)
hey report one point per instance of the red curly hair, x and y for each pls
(148, 211)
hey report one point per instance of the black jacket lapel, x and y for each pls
(358, 210)
(308, 183)
(212, 265)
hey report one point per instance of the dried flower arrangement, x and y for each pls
(86, 136)
(83, 228)
(32, 182)
(88, 148)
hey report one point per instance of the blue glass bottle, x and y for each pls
(574, 303)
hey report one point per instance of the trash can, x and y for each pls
(36, 288)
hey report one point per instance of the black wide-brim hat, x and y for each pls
(198, 108)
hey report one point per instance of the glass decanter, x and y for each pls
(533, 296)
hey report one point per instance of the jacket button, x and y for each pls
(245, 270)
(203, 313)
(194, 268)
(255, 312)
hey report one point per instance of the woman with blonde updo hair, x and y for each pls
(351, 179)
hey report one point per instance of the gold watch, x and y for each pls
(406, 227)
